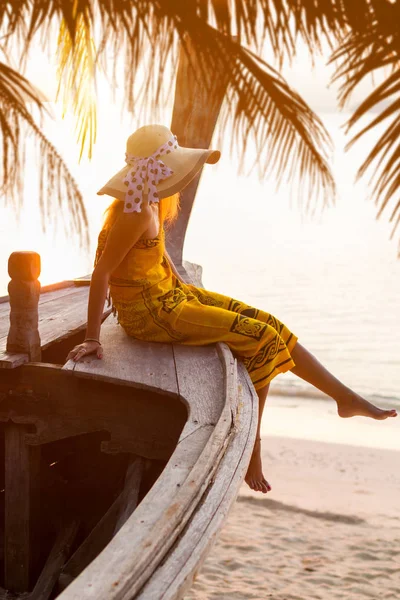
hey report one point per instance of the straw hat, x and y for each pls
(156, 166)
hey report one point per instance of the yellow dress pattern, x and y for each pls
(153, 305)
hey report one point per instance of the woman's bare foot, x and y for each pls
(354, 405)
(254, 476)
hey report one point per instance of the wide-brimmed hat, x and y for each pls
(156, 166)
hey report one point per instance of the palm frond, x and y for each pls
(259, 100)
(282, 21)
(363, 54)
(77, 80)
(58, 190)
(291, 139)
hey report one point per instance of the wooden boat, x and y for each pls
(118, 474)
(189, 413)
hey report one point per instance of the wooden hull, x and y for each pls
(170, 441)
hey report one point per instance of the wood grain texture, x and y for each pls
(200, 384)
(60, 405)
(55, 561)
(51, 287)
(64, 316)
(120, 510)
(81, 281)
(21, 507)
(69, 294)
(128, 361)
(191, 273)
(130, 493)
(11, 360)
(49, 296)
(62, 313)
(122, 568)
(172, 579)
(97, 539)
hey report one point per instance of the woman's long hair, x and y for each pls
(168, 211)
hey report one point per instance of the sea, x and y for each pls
(331, 272)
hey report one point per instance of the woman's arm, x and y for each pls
(124, 234)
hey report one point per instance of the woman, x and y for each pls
(152, 301)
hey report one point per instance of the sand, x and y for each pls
(329, 529)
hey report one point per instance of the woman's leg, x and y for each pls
(349, 403)
(311, 370)
(254, 476)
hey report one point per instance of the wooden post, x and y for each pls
(24, 291)
(22, 464)
(199, 94)
(118, 513)
(56, 560)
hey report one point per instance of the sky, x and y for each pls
(113, 129)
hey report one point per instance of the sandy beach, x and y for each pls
(330, 527)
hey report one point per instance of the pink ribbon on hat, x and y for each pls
(148, 170)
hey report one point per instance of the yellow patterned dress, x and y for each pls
(153, 305)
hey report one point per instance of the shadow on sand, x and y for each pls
(326, 516)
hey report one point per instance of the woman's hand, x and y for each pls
(84, 349)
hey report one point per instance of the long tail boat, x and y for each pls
(118, 474)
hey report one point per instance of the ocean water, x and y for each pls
(333, 277)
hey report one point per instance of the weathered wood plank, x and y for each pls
(193, 369)
(130, 493)
(90, 548)
(51, 287)
(55, 561)
(59, 317)
(92, 545)
(192, 272)
(121, 569)
(81, 281)
(62, 317)
(147, 365)
(12, 360)
(44, 297)
(173, 578)
(52, 305)
(120, 510)
(22, 464)
(48, 288)
(61, 405)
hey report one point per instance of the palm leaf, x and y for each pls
(259, 100)
(57, 187)
(361, 55)
(77, 80)
(288, 134)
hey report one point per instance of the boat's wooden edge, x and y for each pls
(121, 569)
(135, 385)
(59, 285)
(173, 578)
(12, 360)
(129, 362)
(191, 273)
